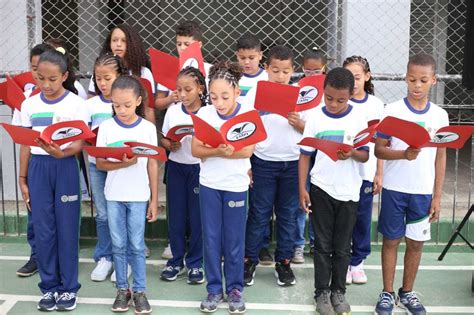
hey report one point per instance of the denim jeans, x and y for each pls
(103, 247)
(275, 188)
(127, 230)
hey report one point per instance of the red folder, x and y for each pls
(147, 150)
(453, 137)
(192, 57)
(59, 133)
(109, 152)
(310, 93)
(179, 132)
(165, 68)
(240, 131)
(3, 91)
(14, 94)
(23, 79)
(151, 97)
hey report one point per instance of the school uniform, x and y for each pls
(55, 195)
(223, 199)
(248, 82)
(183, 195)
(127, 192)
(334, 195)
(372, 108)
(408, 185)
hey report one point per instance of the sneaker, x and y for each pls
(195, 276)
(147, 251)
(141, 303)
(167, 254)
(339, 303)
(298, 257)
(323, 303)
(122, 300)
(410, 302)
(311, 251)
(349, 276)
(28, 269)
(385, 303)
(102, 270)
(284, 274)
(113, 277)
(358, 274)
(66, 301)
(209, 305)
(171, 273)
(264, 257)
(236, 302)
(249, 272)
(48, 302)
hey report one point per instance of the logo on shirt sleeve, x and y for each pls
(241, 131)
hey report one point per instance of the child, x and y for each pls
(223, 189)
(187, 33)
(49, 182)
(412, 186)
(31, 266)
(183, 177)
(275, 178)
(314, 63)
(371, 172)
(334, 191)
(126, 43)
(131, 190)
(107, 68)
(249, 54)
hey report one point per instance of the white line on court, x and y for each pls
(11, 299)
(156, 262)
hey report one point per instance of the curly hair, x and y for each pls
(230, 71)
(368, 85)
(200, 80)
(135, 56)
(340, 79)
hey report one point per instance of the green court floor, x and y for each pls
(445, 286)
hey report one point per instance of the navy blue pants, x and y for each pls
(55, 202)
(361, 232)
(223, 216)
(275, 188)
(184, 214)
(30, 236)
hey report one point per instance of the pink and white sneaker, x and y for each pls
(349, 275)
(358, 274)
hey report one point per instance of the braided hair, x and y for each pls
(200, 81)
(108, 59)
(368, 85)
(226, 70)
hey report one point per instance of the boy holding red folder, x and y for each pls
(410, 201)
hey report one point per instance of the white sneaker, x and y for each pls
(102, 270)
(298, 257)
(167, 254)
(113, 277)
(349, 275)
(358, 274)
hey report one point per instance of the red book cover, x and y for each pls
(3, 91)
(276, 98)
(192, 57)
(24, 79)
(240, 131)
(59, 133)
(149, 91)
(330, 148)
(147, 150)
(365, 136)
(165, 68)
(109, 152)
(453, 137)
(409, 132)
(179, 132)
(310, 93)
(14, 95)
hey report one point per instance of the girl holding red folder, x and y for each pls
(224, 182)
(183, 176)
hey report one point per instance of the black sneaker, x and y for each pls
(284, 274)
(141, 303)
(48, 302)
(122, 300)
(264, 257)
(28, 269)
(249, 272)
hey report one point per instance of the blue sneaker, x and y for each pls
(385, 303)
(66, 301)
(209, 305)
(48, 302)
(410, 302)
(195, 276)
(171, 273)
(236, 302)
